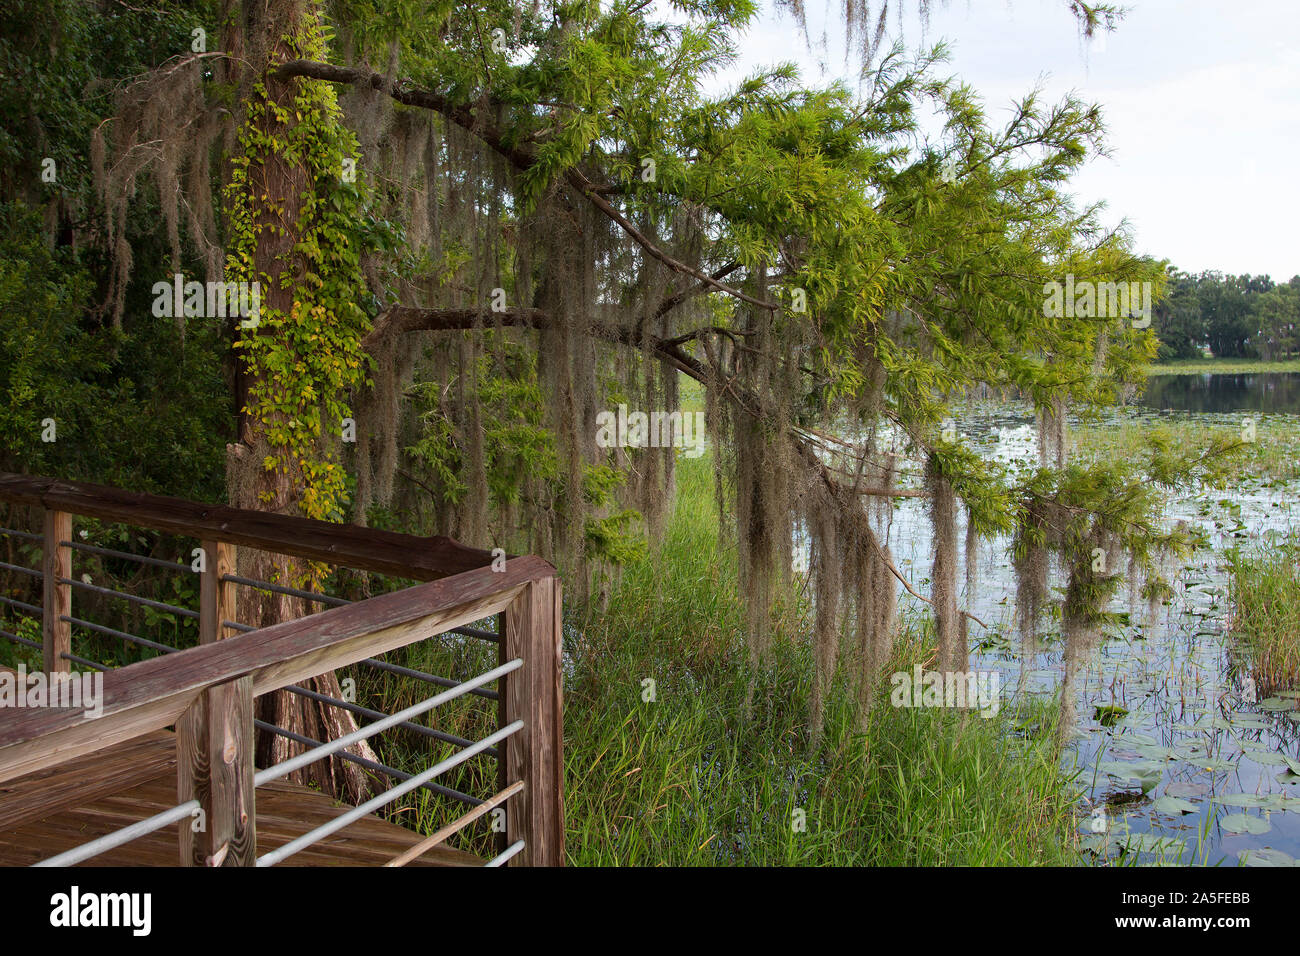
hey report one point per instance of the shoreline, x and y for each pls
(1212, 366)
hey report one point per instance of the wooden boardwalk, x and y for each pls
(180, 730)
(50, 811)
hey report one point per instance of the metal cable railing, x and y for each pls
(134, 599)
(531, 592)
(384, 769)
(144, 827)
(441, 835)
(22, 605)
(480, 633)
(127, 556)
(385, 798)
(284, 768)
(8, 635)
(125, 835)
(510, 851)
(21, 570)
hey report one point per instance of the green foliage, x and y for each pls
(686, 781)
(138, 407)
(520, 450)
(1233, 316)
(1265, 596)
(306, 360)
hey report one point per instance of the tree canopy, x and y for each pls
(479, 226)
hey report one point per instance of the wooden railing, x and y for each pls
(207, 692)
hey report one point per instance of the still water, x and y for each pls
(1261, 392)
(1176, 761)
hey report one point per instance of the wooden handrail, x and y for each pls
(366, 549)
(208, 691)
(152, 694)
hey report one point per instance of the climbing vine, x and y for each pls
(303, 360)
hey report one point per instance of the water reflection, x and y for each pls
(1256, 392)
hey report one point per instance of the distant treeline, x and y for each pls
(1233, 316)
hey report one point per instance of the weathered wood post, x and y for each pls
(214, 741)
(56, 566)
(534, 695)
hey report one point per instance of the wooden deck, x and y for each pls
(182, 725)
(50, 811)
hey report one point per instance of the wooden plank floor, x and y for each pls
(50, 811)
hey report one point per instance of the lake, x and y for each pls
(1175, 761)
(1272, 392)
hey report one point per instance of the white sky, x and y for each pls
(1201, 99)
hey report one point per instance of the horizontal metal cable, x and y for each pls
(26, 535)
(22, 605)
(22, 570)
(282, 589)
(287, 767)
(439, 836)
(387, 797)
(122, 595)
(21, 640)
(385, 666)
(478, 632)
(90, 625)
(340, 602)
(509, 851)
(427, 678)
(368, 764)
(378, 715)
(81, 660)
(125, 835)
(127, 555)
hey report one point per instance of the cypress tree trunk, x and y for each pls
(277, 186)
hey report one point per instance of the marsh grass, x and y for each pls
(1273, 455)
(1213, 366)
(687, 779)
(1265, 598)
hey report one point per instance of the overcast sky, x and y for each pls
(1201, 99)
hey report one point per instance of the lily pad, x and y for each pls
(1099, 843)
(1265, 856)
(1155, 752)
(1275, 704)
(1213, 764)
(1244, 823)
(1150, 843)
(1248, 720)
(1241, 799)
(1173, 805)
(1183, 788)
(1269, 759)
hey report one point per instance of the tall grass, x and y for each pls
(1265, 600)
(674, 773)
(1274, 454)
(687, 779)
